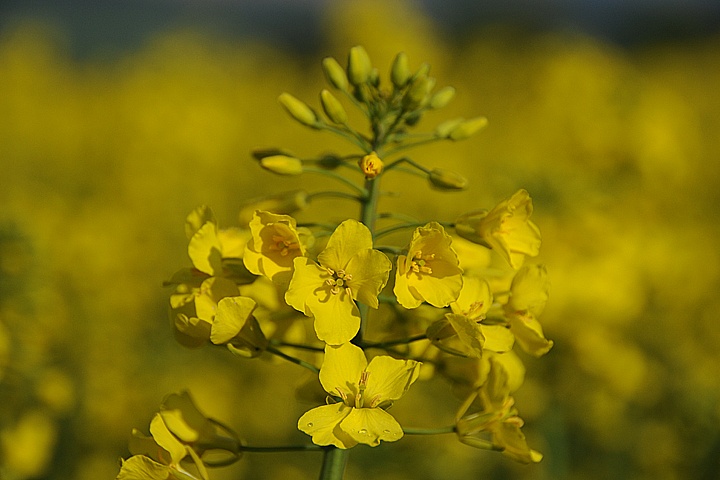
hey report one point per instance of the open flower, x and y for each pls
(276, 242)
(364, 391)
(159, 456)
(495, 416)
(507, 229)
(528, 295)
(349, 269)
(430, 271)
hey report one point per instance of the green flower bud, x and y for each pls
(443, 179)
(333, 108)
(282, 165)
(335, 73)
(417, 93)
(445, 128)
(442, 97)
(359, 66)
(468, 128)
(299, 110)
(400, 72)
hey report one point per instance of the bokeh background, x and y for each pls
(119, 118)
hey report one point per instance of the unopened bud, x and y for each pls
(335, 73)
(299, 110)
(371, 165)
(282, 165)
(417, 93)
(400, 72)
(442, 97)
(447, 179)
(468, 128)
(445, 128)
(359, 66)
(333, 108)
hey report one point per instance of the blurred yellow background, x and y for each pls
(103, 159)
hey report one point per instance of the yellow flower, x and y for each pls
(209, 245)
(235, 325)
(371, 165)
(528, 295)
(275, 243)
(193, 309)
(507, 229)
(158, 457)
(365, 391)
(430, 271)
(496, 416)
(348, 269)
(474, 302)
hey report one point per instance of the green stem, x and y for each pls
(334, 462)
(407, 146)
(390, 343)
(429, 431)
(281, 343)
(409, 161)
(283, 448)
(292, 359)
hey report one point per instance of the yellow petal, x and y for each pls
(139, 467)
(307, 277)
(184, 419)
(232, 314)
(371, 425)
(341, 368)
(369, 270)
(497, 338)
(197, 218)
(469, 334)
(337, 318)
(529, 334)
(475, 298)
(406, 295)
(167, 440)
(438, 291)
(205, 250)
(529, 290)
(348, 239)
(322, 423)
(390, 378)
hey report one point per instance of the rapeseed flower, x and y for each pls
(275, 243)
(528, 295)
(507, 229)
(430, 271)
(347, 270)
(364, 392)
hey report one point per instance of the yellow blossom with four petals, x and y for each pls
(347, 270)
(365, 390)
(430, 271)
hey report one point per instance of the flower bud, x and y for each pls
(442, 97)
(467, 128)
(282, 165)
(445, 128)
(447, 179)
(335, 73)
(359, 66)
(371, 165)
(299, 110)
(400, 72)
(417, 93)
(333, 108)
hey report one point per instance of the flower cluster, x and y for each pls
(337, 274)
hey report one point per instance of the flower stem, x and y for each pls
(334, 462)
(292, 359)
(390, 343)
(429, 431)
